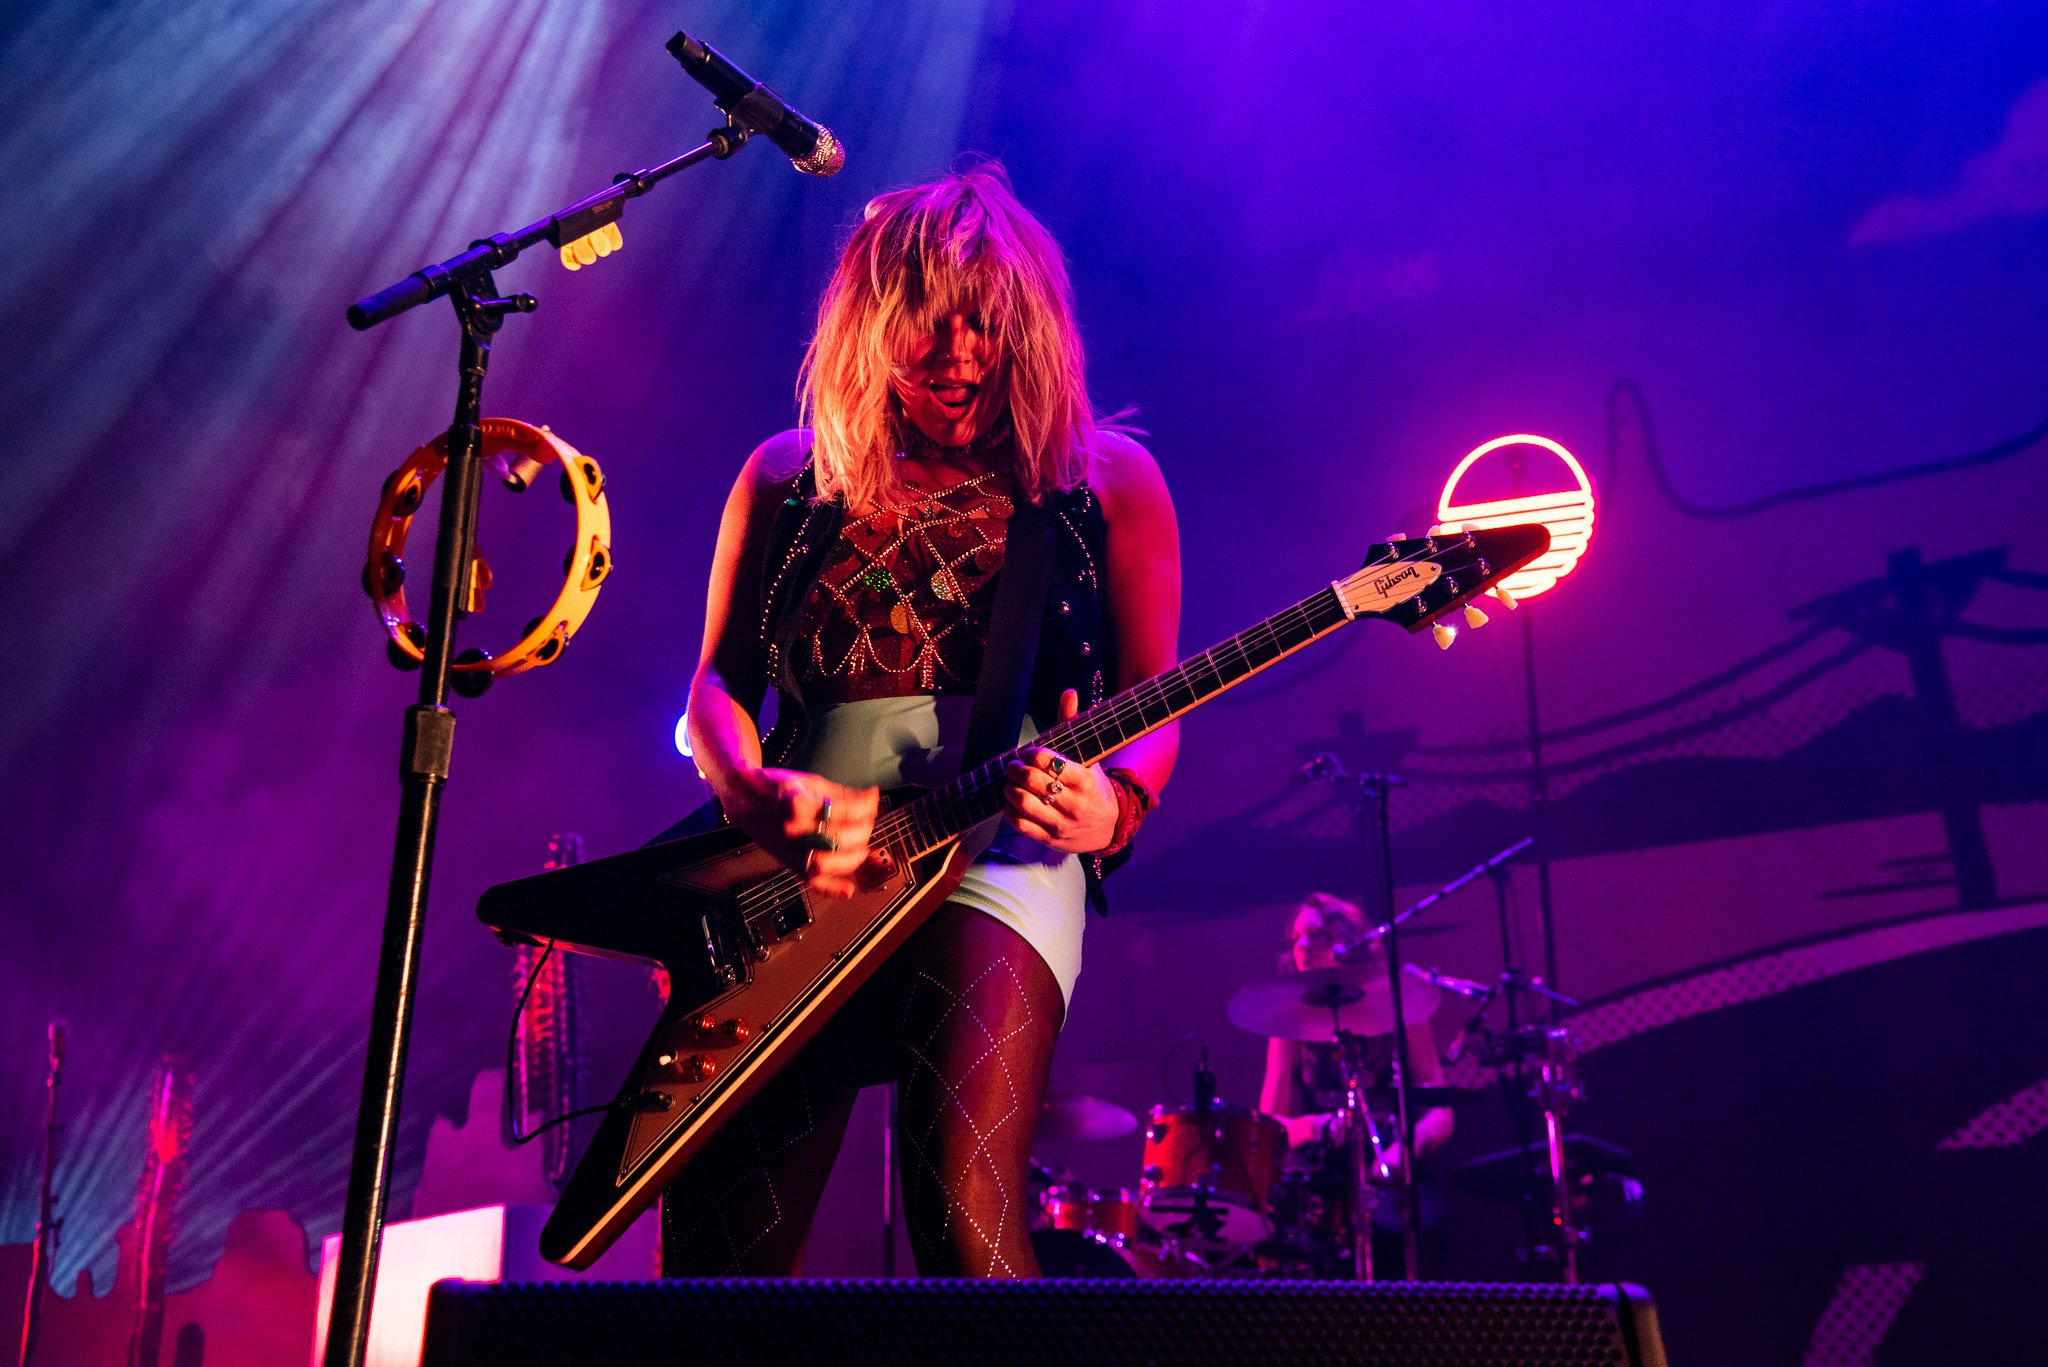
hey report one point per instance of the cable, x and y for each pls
(638, 1101)
(1654, 458)
(1643, 711)
(1623, 749)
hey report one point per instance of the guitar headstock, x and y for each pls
(1414, 581)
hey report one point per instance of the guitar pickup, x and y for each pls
(791, 917)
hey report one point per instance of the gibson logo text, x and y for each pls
(1384, 585)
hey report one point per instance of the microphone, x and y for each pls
(811, 148)
(1473, 1027)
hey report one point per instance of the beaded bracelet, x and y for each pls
(1133, 802)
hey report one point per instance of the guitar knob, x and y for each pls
(696, 1068)
(710, 1029)
(1444, 635)
(1474, 618)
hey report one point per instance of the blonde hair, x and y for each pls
(959, 244)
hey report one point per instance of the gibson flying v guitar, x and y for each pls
(756, 968)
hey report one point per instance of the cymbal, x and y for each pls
(1071, 1115)
(1312, 1006)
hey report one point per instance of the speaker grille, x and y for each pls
(1177, 1323)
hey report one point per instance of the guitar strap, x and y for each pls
(1014, 622)
(1007, 662)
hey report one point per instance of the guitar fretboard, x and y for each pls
(922, 826)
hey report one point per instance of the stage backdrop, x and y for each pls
(1773, 270)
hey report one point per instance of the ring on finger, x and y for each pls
(1054, 765)
(1055, 788)
(820, 840)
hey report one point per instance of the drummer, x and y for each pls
(1304, 1083)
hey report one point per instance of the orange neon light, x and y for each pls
(1566, 510)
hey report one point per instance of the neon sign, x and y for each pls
(1566, 508)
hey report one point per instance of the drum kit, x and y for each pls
(1222, 1194)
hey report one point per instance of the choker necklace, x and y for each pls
(917, 446)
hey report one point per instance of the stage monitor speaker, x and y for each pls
(848, 1323)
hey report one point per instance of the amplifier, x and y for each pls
(729, 1321)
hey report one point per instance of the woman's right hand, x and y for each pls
(1306, 1129)
(785, 811)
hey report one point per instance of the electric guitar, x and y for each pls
(755, 968)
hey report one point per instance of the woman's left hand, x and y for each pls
(1059, 802)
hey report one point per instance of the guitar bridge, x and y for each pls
(730, 945)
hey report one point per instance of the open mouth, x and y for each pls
(955, 397)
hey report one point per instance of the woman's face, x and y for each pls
(952, 384)
(1317, 934)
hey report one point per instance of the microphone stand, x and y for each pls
(1488, 868)
(1555, 1091)
(1367, 794)
(46, 1223)
(429, 731)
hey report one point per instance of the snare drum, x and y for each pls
(1111, 1214)
(1209, 1175)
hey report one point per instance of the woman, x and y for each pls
(1304, 1083)
(856, 571)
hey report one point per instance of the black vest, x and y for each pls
(1074, 648)
(1073, 645)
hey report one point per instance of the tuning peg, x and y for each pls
(1398, 536)
(1506, 599)
(1444, 635)
(1474, 618)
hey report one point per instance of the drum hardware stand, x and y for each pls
(1361, 1145)
(1539, 781)
(1367, 795)
(1205, 1222)
(429, 731)
(889, 1166)
(1556, 1086)
(47, 1224)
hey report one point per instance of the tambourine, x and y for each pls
(518, 452)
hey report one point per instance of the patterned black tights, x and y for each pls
(964, 1019)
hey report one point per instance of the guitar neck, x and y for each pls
(940, 816)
